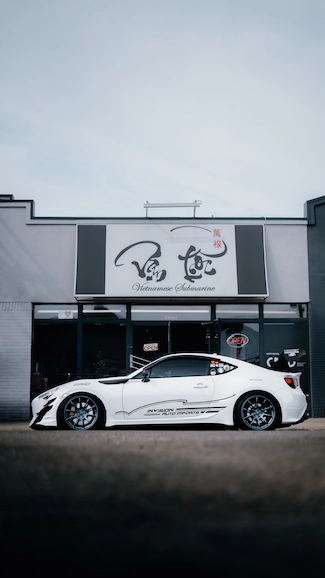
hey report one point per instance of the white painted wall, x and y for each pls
(37, 261)
(37, 257)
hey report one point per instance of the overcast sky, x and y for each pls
(107, 104)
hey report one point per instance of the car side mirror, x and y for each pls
(145, 376)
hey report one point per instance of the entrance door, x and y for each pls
(152, 341)
(149, 342)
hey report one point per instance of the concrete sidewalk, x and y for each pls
(313, 423)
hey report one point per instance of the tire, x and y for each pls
(257, 411)
(81, 411)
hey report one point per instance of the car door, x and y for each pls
(227, 382)
(172, 390)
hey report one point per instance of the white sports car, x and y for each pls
(177, 389)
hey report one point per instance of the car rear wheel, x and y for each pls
(257, 411)
(80, 412)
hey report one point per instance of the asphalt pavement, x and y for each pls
(201, 499)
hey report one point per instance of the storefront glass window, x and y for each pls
(236, 310)
(54, 355)
(288, 341)
(62, 312)
(291, 311)
(110, 311)
(104, 350)
(170, 313)
(240, 340)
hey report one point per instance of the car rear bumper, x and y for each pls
(304, 417)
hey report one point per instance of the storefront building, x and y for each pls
(89, 297)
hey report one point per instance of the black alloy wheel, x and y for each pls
(257, 411)
(80, 412)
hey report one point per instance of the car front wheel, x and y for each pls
(80, 412)
(257, 411)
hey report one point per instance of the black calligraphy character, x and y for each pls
(149, 269)
(194, 264)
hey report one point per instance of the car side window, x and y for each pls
(180, 367)
(218, 367)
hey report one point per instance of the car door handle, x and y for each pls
(200, 386)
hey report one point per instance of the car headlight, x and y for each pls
(48, 393)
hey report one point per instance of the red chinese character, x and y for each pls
(217, 244)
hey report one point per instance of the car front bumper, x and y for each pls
(43, 414)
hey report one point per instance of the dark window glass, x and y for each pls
(104, 349)
(54, 356)
(288, 343)
(149, 343)
(289, 310)
(240, 340)
(180, 367)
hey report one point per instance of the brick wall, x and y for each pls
(15, 360)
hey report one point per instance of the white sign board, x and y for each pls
(161, 260)
(170, 261)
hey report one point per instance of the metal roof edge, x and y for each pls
(32, 218)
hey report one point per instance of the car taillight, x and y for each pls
(291, 382)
